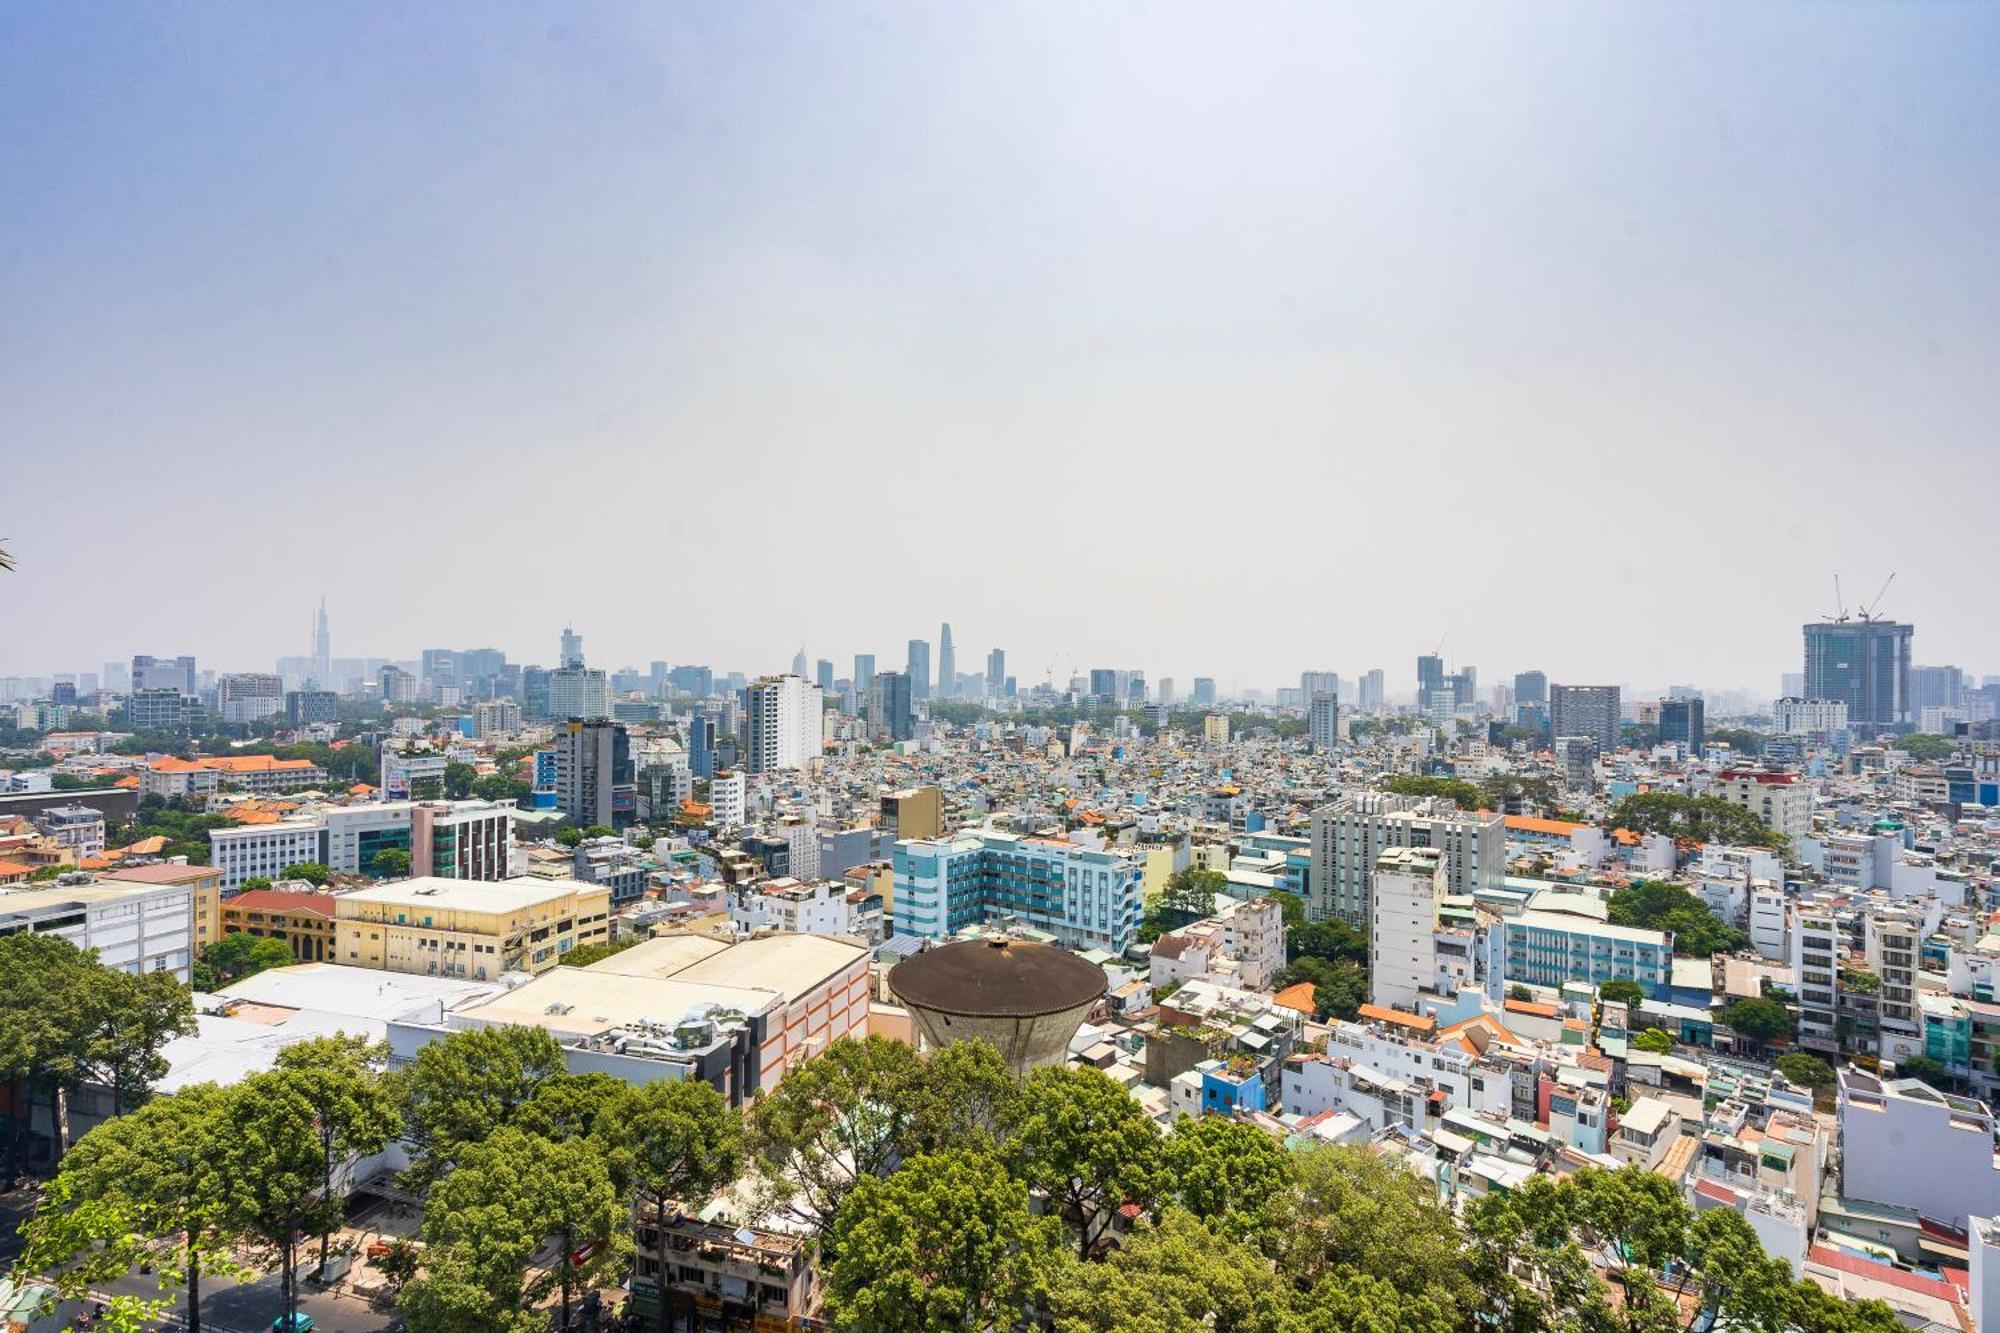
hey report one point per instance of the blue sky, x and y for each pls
(1598, 336)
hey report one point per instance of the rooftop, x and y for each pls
(470, 895)
(996, 978)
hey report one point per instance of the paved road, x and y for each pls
(249, 1307)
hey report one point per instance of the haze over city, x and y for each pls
(1096, 332)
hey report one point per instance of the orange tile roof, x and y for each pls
(1559, 828)
(282, 900)
(11, 868)
(127, 781)
(152, 846)
(1414, 1022)
(1300, 996)
(1531, 1007)
(171, 764)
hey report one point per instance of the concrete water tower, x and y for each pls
(1026, 1000)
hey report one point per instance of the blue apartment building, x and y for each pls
(1084, 898)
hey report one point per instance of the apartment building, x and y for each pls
(818, 907)
(1563, 937)
(784, 723)
(203, 882)
(720, 1273)
(1350, 835)
(134, 927)
(1402, 925)
(461, 839)
(1781, 802)
(469, 928)
(1085, 897)
(1903, 1142)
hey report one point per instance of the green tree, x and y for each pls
(1517, 991)
(71, 1020)
(389, 863)
(1171, 1277)
(945, 1243)
(276, 1172)
(155, 1176)
(585, 955)
(484, 1223)
(569, 837)
(461, 1090)
(1655, 1041)
(458, 780)
(599, 831)
(1700, 818)
(1622, 990)
(1655, 905)
(961, 1096)
(238, 955)
(1456, 790)
(569, 1106)
(1808, 1071)
(1084, 1144)
(1924, 747)
(1339, 988)
(833, 1121)
(1758, 1019)
(1333, 940)
(681, 1144)
(311, 871)
(355, 1113)
(1517, 792)
(1227, 1173)
(255, 882)
(1739, 739)
(1189, 895)
(1354, 1211)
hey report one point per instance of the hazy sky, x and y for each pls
(1194, 338)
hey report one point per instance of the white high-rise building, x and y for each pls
(1350, 835)
(1402, 925)
(1323, 719)
(784, 717)
(1804, 717)
(579, 691)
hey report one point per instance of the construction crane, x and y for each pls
(1869, 611)
(1049, 671)
(1839, 605)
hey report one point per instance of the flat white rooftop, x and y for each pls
(470, 895)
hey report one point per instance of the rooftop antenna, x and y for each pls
(1869, 612)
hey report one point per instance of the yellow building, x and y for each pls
(469, 928)
(915, 812)
(204, 881)
(1215, 727)
(302, 921)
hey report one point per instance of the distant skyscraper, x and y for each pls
(578, 691)
(1373, 685)
(1430, 674)
(947, 676)
(864, 671)
(1936, 687)
(918, 669)
(1586, 710)
(1204, 691)
(799, 663)
(996, 672)
(1864, 664)
(889, 705)
(1323, 720)
(1103, 683)
(1164, 696)
(322, 653)
(572, 648)
(1792, 685)
(1686, 721)
(1531, 687)
(701, 745)
(823, 675)
(1318, 682)
(161, 673)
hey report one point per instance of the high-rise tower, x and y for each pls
(947, 676)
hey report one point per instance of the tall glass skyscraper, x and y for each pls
(1863, 663)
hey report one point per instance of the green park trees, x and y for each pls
(1463, 794)
(1699, 818)
(71, 1020)
(237, 955)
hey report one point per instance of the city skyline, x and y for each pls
(1142, 320)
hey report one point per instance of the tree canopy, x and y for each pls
(1698, 818)
(1656, 905)
(1466, 795)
